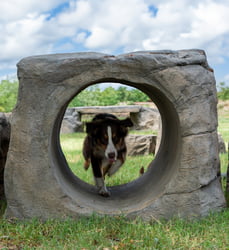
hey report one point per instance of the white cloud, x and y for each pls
(37, 27)
(80, 37)
(209, 22)
(78, 14)
(23, 28)
(22, 37)
(16, 9)
(189, 27)
(109, 22)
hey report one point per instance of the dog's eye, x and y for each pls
(104, 139)
(115, 138)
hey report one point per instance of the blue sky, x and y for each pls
(58, 26)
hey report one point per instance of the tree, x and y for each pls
(95, 96)
(87, 97)
(8, 95)
(135, 95)
(223, 92)
(122, 94)
(108, 97)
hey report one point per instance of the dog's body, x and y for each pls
(104, 147)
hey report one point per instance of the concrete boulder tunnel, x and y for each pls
(182, 179)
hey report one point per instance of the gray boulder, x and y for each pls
(146, 119)
(4, 145)
(183, 179)
(71, 122)
(222, 146)
(140, 144)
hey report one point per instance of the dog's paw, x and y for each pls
(104, 192)
(86, 165)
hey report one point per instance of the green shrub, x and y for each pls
(8, 95)
(223, 93)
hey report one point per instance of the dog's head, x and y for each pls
(108, 134)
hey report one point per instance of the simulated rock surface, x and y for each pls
(184, 178)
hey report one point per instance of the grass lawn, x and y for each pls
(72, 148)
(223, 129)
(211, 232)
(117, 233)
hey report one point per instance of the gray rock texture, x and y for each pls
(222, 145)
(141, 144)
(4, 145)
(145, 119)
(183, 180)
(71, 122)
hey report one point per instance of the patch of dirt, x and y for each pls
(223, 107)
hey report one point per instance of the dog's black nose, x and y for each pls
(111, 155)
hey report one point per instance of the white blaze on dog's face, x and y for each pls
(111, 151)
(108, 138)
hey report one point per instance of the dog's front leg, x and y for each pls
(102, 187)
(115, 167)
(99, 179)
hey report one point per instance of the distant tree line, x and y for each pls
(223, 91)
(95, 96)
(91, 96)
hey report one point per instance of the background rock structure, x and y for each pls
(4, 145)
(141, 144)
(183, 180)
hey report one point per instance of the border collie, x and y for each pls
(104, 147)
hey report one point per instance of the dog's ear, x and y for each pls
(127, 122)
(92, 127)
(124, 124)
(89, 127)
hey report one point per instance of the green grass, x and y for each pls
(223, 162)
(72, 147)
(116, 233)
(223, 129)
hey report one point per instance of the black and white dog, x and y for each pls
(104, 147)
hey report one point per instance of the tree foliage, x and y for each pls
(223, 93)
(95, 96)
(91, 96)
(8, 95)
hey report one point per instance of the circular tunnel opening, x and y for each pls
(143, 138)
(139, 192)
